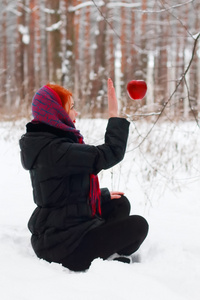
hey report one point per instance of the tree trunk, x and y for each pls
(43, 44)
(123, 51)
(69, 76)
(143, 60)
(99, 79)
(4, 63)
(31, 53)
(194, 101)
(54, 42)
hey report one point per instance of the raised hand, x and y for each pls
(112, 100)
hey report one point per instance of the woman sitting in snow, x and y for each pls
(75, 221)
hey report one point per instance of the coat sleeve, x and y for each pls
(72, 158)
(105, 195)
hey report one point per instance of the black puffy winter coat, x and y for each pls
(60, 171)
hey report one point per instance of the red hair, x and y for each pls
(64, 94)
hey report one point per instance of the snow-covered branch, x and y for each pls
(114, 4)
(123, 4)
(25, 34)
(85, 4)
(54, 26)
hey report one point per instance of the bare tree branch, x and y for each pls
(191, 108)
(171, 96)
(180, 21)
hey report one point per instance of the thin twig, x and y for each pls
(183, 25)
(179, 81)
(189, 100)
(171, 96)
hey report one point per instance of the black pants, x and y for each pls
(122, 234)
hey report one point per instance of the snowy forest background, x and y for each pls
(79, 44)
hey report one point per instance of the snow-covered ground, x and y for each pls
(162, 180)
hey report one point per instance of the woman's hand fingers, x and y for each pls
(112, 100)
(116, 195)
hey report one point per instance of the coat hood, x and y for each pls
(31, 144)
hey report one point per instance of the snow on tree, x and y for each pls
(78, 44)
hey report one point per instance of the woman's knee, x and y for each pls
(141, 224)
(125, 204)
(116, 209)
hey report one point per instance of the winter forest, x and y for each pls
(79, 44)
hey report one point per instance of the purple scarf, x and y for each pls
(47, 108)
